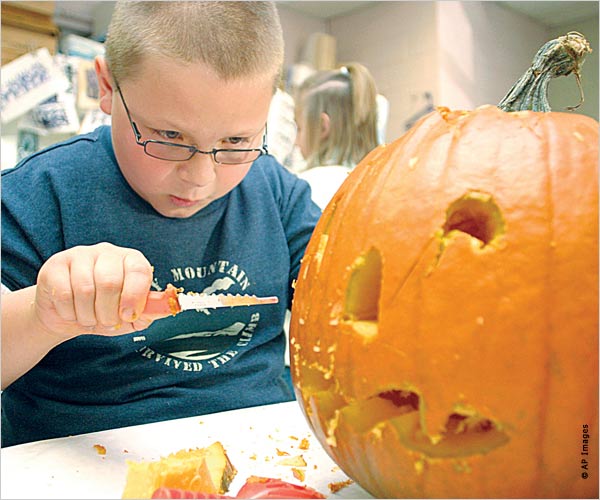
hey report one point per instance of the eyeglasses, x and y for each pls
(171, 151)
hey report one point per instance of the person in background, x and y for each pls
(281, 126)
(180, 190)
(337, 121)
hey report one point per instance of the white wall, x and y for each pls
(296, 29)
(466, 54)
(483, 50)
(397, 42)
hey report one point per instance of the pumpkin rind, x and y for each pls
(469, 371)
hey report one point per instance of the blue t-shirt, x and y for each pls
(250, 241)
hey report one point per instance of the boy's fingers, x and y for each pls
(137, 278)
(84, 288)
(108, 278)
(54, 286)
(101, 288)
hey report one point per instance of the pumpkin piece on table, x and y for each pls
(207, 470)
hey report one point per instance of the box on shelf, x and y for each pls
(28, 19)
(25, 30)
(46, 8)
(18, 41)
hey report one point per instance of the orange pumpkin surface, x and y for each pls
(444, 333)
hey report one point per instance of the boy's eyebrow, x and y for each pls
(167, 125)
(171, 126)
(151, 122)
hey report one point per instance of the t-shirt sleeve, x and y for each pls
(30, 233)
(300, 217)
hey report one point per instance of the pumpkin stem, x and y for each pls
(578, 80)
(559, 57)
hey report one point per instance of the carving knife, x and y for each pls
(172, 301)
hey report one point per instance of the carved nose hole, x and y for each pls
(477, 215)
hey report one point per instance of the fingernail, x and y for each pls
(128, 315)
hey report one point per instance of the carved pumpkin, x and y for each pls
(444, 333)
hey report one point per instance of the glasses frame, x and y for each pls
(263, 150)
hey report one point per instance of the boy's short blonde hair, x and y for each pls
(236, 39)
(349, 97)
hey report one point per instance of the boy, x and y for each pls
(179, 190)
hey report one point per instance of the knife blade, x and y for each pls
(172, 301)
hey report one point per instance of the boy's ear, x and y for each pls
(325, 125)
(104, 84)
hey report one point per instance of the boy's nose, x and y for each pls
(200, 169)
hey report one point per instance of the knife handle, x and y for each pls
(162, 304)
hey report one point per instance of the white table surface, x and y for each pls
(254, 439)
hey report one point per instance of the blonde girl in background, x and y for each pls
(337, 119)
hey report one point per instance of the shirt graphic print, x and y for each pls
(214, 336)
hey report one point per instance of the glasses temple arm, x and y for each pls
(136, 132)
(264, 144)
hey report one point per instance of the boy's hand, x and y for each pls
(100, 289)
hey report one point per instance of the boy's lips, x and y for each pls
(183, 202)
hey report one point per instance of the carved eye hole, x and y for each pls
(477, 215)
(364, 288)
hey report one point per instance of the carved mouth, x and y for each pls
(466, 432)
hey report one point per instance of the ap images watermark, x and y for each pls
(585, 449)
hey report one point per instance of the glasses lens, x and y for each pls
(165, 151)
(236, 157)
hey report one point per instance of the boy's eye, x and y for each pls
(239, 142)
(169, 134)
